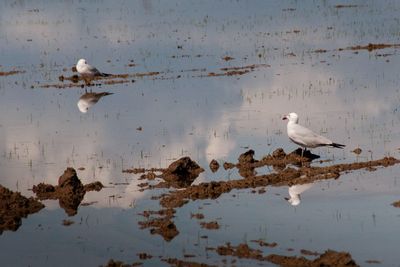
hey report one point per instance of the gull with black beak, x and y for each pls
(303, 136)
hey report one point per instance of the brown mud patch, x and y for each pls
(12, 72)
(116, 263)
(210, 225)
(181, 263)
(369, 47)
(328, 258)
(76, 81)
(14, 207)
(396, 204)
(283, 176)
(346, 6)
(288, 169)
(179, 174)
(69, 191)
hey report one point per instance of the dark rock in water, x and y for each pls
(182, 172)
(14, 207)
(69, 191)
(247, 157)
(69, 179)
(214, 165)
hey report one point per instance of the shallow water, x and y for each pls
(352, 96)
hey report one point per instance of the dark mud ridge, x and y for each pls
(289, 169)
(124, 78)
(14, 207)
(69, 191)
(328, 258)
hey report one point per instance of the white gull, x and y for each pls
(303, 136)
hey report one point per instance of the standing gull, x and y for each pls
(87, 71)
(303, 136)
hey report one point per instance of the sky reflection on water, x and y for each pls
(350, 96)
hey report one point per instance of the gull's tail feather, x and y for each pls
(337, 145)
(105, 74)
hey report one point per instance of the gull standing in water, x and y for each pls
(303, 136)
(87, 71)
(87, 100)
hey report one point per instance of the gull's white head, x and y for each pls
(292, 117)
(80, 65)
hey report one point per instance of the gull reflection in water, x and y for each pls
(295, 191)
(87, 100)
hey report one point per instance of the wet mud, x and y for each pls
(116, 263)
(396, 204)
(210, 225)
(328, 258)
(70, 191)
(283, 175)
(181, 263)
(76, 81)
(14, 207)
(288, 169)
(12, 72)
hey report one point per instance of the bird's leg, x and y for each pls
(302, 151)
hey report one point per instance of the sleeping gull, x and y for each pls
(87, 71)
(305, 137)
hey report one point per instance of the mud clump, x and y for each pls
(182, 172)
(162, 225)
(181, 263)
(329, 258)
(69, 191)
(214, 165)
(241, 251)
(14, 207)
(210, 225)
(115, 263)
(396, 204)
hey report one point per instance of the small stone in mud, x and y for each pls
(182, 172)
(214, 165)
(357, 151)
(210, 225)
(139, 128)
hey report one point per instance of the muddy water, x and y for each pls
(208, 81)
